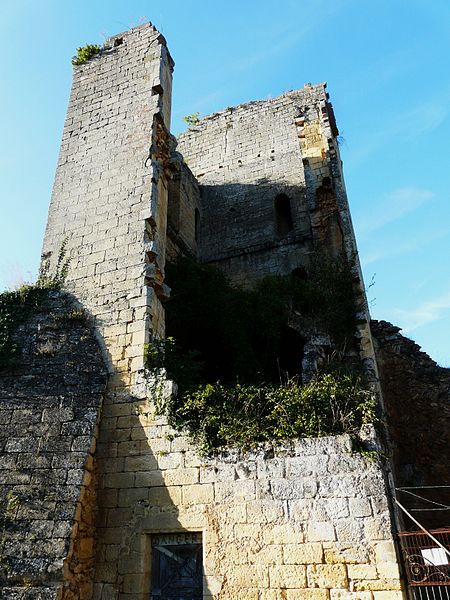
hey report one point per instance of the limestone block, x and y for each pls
(287, 576)
(302, 554)
(362, 571)
(248, 576)
(284, 533)
(165, 495)
(321, 532)
(263, 511)
(327, 576)
(181, 476)
(307, 594)
(340, 552)
(239, 490)
(360, 507)
(385, 552)
(377, 585)
(344, 595)
(267, 555)
(388, 595)
(238, 593)
(197, 494)
(388, 570)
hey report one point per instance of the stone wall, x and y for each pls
(416, 394)
(183, 211)
(244, 158)
(50, 403)
(303, 520)
(110, 194)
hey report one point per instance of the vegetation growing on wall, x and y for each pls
(217, 416)
(85, 53)
(240, 334)
(17, 306)
(226, 355)
(192, 120)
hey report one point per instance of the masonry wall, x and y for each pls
(243, 158)
(110, 194)
(416, 394)
(50, 402)
(303, 520)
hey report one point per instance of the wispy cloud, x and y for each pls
(426, 117)
(282, 40)
(423, 314)
(393, 206)
(388, 251)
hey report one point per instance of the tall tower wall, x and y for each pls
(109, 200)
(249, 157)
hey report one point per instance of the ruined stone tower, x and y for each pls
(255, 190)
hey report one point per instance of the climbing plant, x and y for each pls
(17, 306)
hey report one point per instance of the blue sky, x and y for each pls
(387, 68)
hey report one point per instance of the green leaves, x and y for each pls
(85, 53)
(217, 416)
(192, 120)
(15, 308)
(18, 305)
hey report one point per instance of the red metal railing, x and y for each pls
(426, 563)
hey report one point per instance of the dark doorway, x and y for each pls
(291, 355)
(283, 215)
(177, 568)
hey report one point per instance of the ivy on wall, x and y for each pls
(17, 306)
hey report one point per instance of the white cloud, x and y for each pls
(425, 313)
(389, 250)
(393, 206)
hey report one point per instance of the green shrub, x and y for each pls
(85, 53)
(192, 120)
(217, 416)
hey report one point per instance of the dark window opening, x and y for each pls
(197, 224)
(177, 566)
(283, 214)
(300, 273)
(291, 355)
(173, 204)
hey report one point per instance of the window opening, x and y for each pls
(197, 224)
(283, 215)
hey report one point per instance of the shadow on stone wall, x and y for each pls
(416, 394)
(50, 401)
(146, 473)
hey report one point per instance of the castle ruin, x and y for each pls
(115, 505)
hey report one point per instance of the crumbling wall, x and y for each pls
(183, 211)
(245, 159)
(110, 194)
(416, 394)
(50, 402)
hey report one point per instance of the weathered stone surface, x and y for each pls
(50, 404)
(416, 394)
